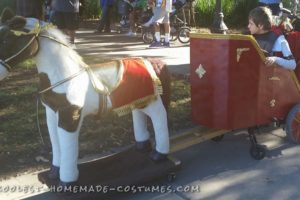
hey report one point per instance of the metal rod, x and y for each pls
(219, 25)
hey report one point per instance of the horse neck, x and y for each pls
(57, 60)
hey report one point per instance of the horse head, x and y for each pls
(16, 44)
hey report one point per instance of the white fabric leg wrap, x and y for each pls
(157, 112)
(141, 133)
(52, 121)
(69, 155)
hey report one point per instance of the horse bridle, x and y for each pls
(5, 64)
(38, 34)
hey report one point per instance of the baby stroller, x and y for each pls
(179, 27)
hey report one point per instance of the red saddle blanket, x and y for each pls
(137, 88)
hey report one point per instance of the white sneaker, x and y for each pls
(131, 34)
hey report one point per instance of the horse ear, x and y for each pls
(17, 23)
(6, 15)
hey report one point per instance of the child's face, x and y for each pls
(255, 29)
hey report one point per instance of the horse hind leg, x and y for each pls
(141, 133)
(156, 111)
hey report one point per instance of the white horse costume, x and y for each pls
(75, 95)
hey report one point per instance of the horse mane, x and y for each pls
(53, 32)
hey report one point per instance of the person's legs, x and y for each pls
(158, 17)
(71, 33)
(59, 20)
(192, 13)
(131, 23)
(108, 18)
(72, 21)
(166, 22)
(68, 23)
(103, 19)
(157, 32)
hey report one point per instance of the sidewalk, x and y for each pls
(96, 48)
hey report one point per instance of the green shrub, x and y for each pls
(204, 12)
(91, 9)
(7, 3)
(235, 12)
(238, 16)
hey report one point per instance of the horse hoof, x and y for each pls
(53, 173)
(144, 146)
(158, 157)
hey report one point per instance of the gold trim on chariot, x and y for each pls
(295, 79)
(230, 37)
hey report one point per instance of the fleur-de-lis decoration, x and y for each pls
(239, 52)
(200, 71)
(272, 103)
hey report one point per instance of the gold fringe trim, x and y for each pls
(140, 103)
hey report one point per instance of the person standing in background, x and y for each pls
(274, 5)
(66, 16)
(30, 8)
(161, 15)
(104, 23)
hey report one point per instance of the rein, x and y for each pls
(36, 36)
(63, 81)
(66, 79)
(5, 62)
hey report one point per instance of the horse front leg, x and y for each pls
(69, 124)
(52, 121)
(68, 142)
(64, 148)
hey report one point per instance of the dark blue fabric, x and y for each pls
(104, 3)
(66, 5)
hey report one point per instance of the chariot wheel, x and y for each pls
(148, 37)
(257, 151)
(184, 35)
(218, 138)
(293, 124)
